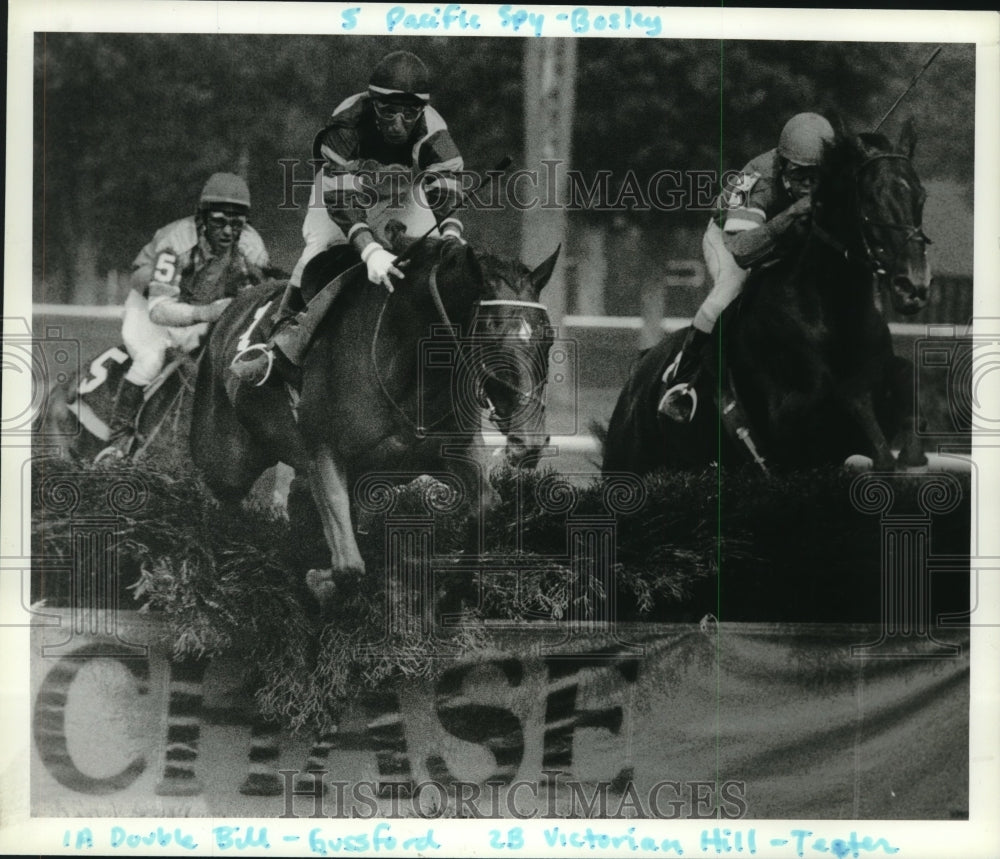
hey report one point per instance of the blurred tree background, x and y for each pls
(129, 126)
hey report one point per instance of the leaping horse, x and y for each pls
(806, 349)
(394, 384)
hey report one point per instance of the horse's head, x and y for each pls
(503, 337)
(885, 199)
(511, 337)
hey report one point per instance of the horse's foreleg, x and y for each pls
(473, 478)
(328, 482)
(902, 402)
(861, 409)
(461, 591)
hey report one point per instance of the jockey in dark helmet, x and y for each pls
(181, 282)
(757, 211)
(387, 156)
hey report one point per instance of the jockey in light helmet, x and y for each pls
(387, 155)
(757, 213)
(181, 282)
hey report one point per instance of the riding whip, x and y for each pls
(913, 82)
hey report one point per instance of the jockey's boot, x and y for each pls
(127, 405)
(283, 348)
(680, 401)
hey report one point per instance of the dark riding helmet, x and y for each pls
(401, 76)
(225, 189)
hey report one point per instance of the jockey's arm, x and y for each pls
(752, 245)
(441, 164)
(347, 197)
(347, 194)
(443, 190)
(174, 313)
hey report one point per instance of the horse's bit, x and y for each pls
(483, 371)
(523, 397)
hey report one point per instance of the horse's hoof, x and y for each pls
(912, 461)
(320, 583)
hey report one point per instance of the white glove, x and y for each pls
(380, 264)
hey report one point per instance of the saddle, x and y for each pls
(277, 320)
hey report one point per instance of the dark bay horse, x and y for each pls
(806, 347)
(394, 385)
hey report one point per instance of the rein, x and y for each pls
(914, 233)
(483, 371)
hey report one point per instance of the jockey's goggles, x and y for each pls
(800, 172)
(390, 110)
(220, 220)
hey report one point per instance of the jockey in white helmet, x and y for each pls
(756, 215)
(181, 282)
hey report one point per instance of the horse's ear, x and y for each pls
(541, 273)
(908, 138)
(838, 122)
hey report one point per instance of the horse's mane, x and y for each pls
(426, 252)
(841, 160)
(502, 272)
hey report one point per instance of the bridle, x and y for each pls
(482, 373)
(914, 232)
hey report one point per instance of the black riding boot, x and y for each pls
(680, 401)
(253, 365)
(127, 405)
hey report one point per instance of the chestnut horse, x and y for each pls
(393, 384)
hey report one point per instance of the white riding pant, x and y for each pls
(147, 342)
(320, 233)
(727, 279)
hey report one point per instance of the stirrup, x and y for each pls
(668, 401)
(266, 348)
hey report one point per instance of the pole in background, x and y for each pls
(549, 97)
(912, 84)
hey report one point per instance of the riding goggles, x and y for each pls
(390, 110)
(220, 220)
(801, 173)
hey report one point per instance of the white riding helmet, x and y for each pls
(804, 138)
